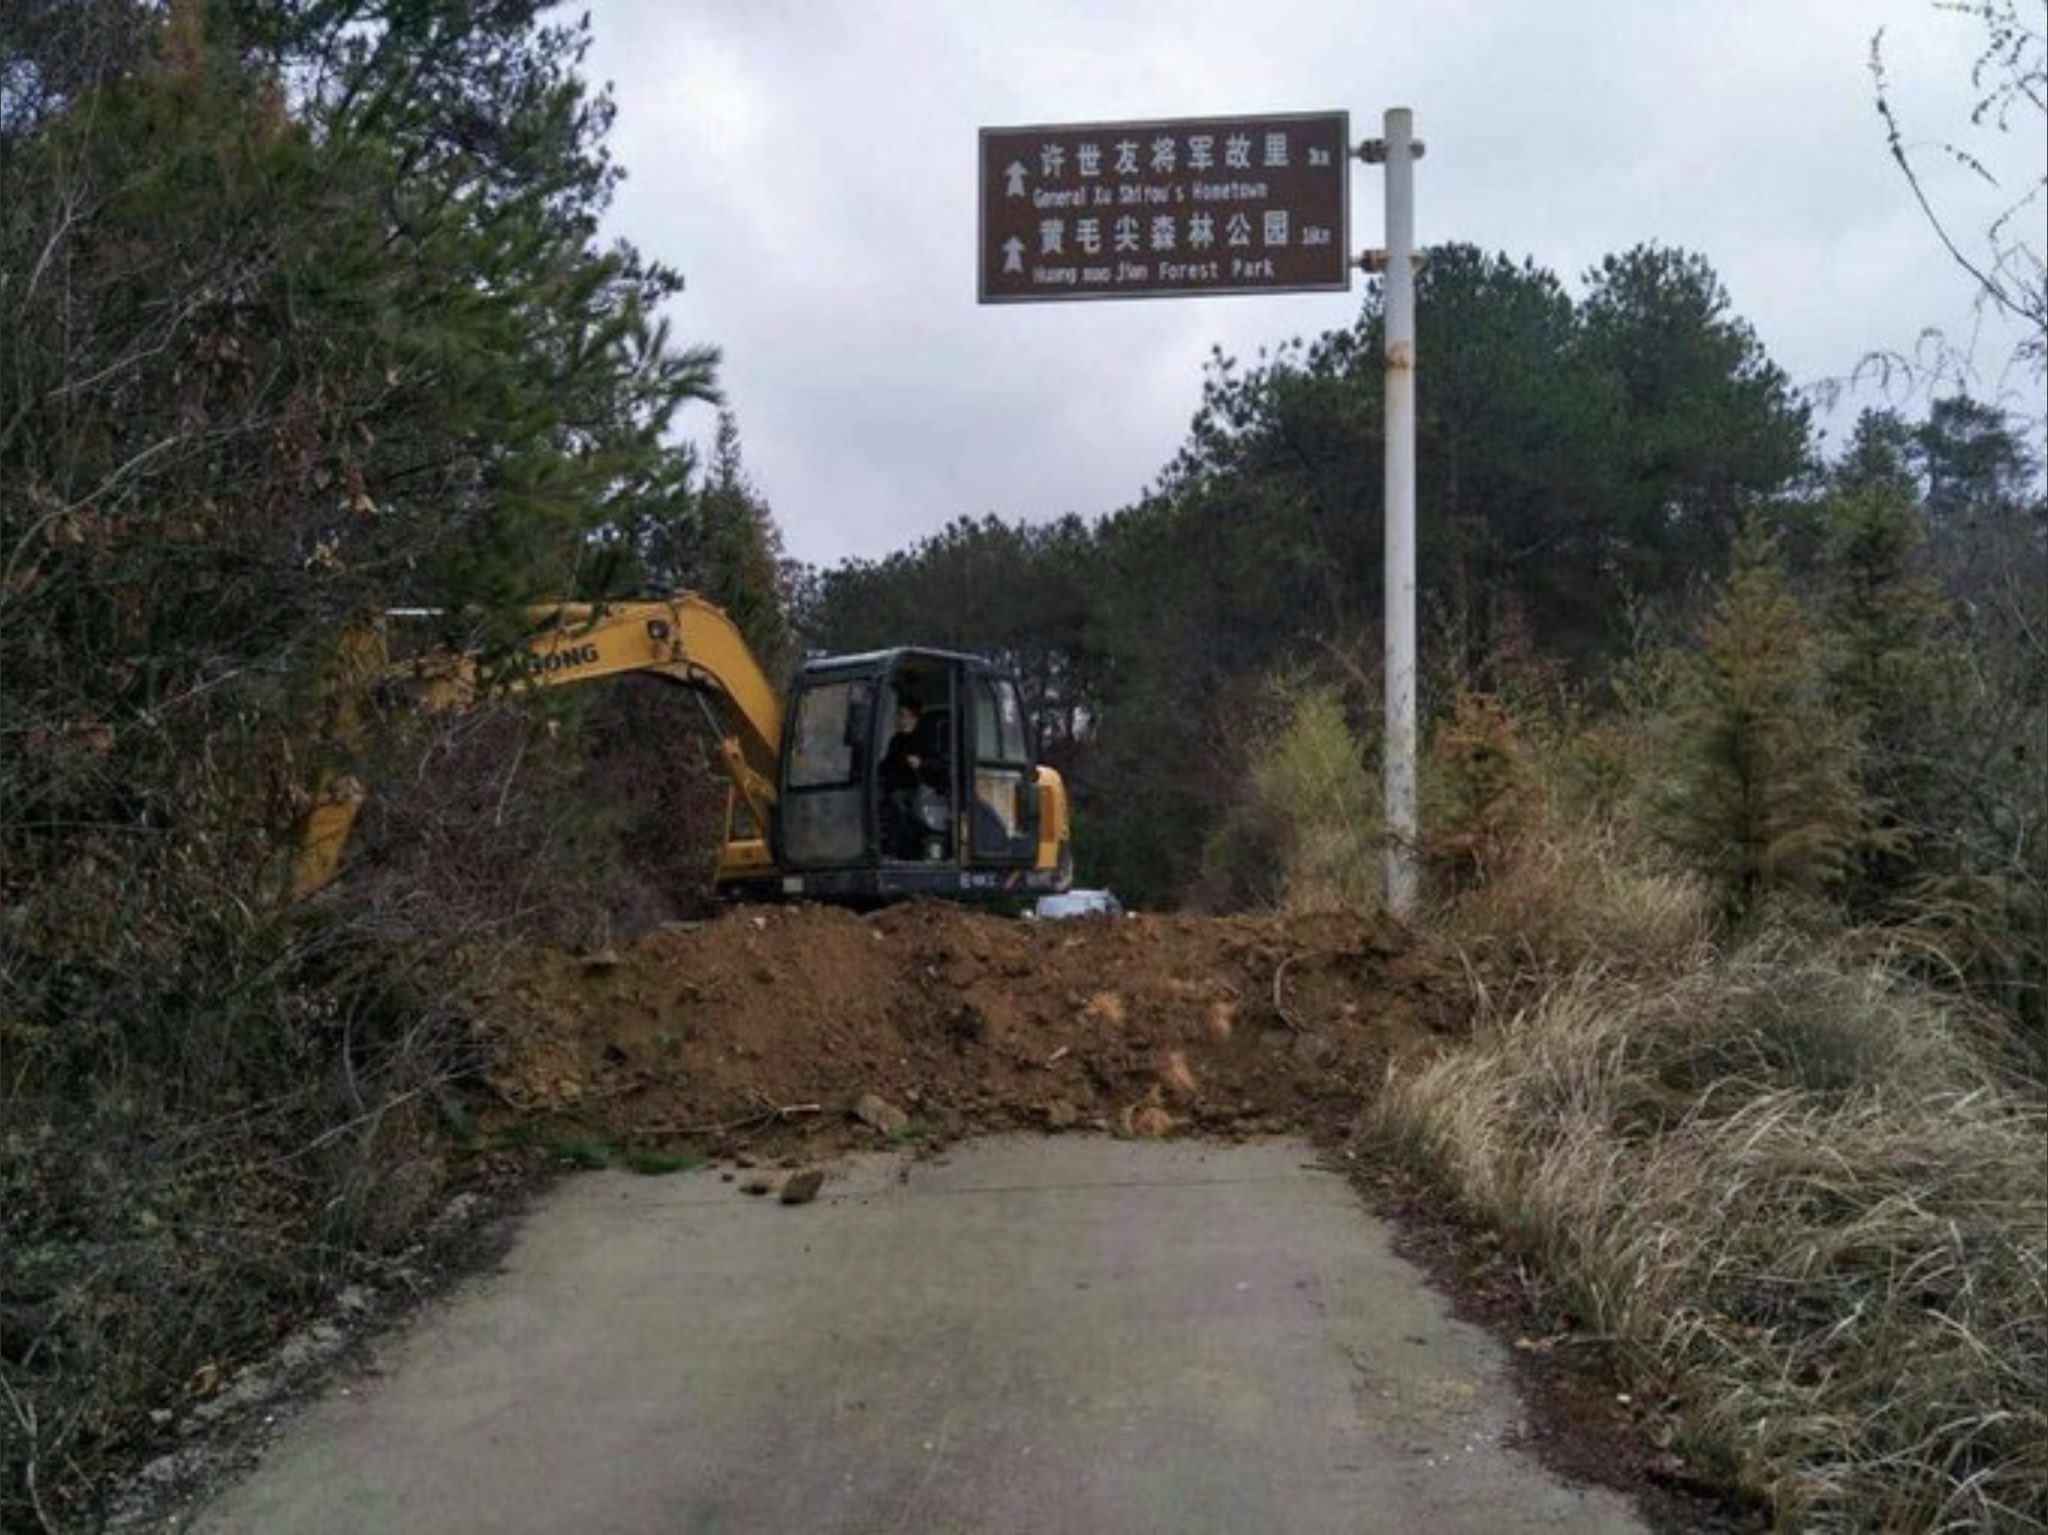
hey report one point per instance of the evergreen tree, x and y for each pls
(303, 316)
(1763, 802)
(1980, 884)
(1882, 618)
(1705, 428)
(1879, 456)
(310, 322)
(1975, 467)
(741, 552)
(1579, 461)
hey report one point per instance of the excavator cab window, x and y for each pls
(830, 728)
(908, 770)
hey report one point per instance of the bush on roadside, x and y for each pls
(1537, 866)
(169, 1211)
(1760, 794)
(1302, 836)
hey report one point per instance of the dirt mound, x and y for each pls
(932, 1021)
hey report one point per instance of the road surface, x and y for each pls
(1023, 1335)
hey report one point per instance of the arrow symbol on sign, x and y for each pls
(1013, 254)
(1015, 171)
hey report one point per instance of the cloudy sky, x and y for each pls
(810, 166)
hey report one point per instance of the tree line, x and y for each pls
(1626, 510)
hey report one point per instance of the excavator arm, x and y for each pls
(683, 638)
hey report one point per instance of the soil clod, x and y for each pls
(880, 1115)
(802, 1188)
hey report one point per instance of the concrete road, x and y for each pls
(1025, 1335)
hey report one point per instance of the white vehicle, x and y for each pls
(1078, 903)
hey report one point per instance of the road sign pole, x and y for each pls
(1401, 820)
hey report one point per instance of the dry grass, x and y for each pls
(1807, 1198)
(1568, 897)
(1537, 857)
(1802, 1203)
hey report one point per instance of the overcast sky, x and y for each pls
(810, 167)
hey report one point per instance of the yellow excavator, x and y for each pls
(890, 773)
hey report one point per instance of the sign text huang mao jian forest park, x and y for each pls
(1150, 209)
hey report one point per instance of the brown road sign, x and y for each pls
(1156, 209)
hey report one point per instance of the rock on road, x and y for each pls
(1022, 1335)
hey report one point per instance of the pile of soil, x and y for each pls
(928, 1021)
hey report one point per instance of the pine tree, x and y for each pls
(1764, 804)
(742, 550)
(1879, 455)
(303, 315)
(1883, 616)
(277, 359)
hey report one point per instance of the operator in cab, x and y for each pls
(902, 771)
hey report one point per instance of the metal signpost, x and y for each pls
(1398, 151)
(1218, 205)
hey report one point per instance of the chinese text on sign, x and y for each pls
(1146, 210)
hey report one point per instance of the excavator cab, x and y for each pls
(914, 772)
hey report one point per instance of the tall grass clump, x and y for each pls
(1302, 836)
(1534, 873)
(1801, 1203)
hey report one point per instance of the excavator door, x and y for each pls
(1003, 803)
(824, 809)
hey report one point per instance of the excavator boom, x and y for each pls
(682, 637)
(826, 820)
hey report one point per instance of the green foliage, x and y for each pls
(312, 359)
(912, 1131)
(278, 362)
(585, 1154)
(1974, 465)
(303, 316)
(1883, 622)
(1878, 457)
(742, 558)
(1023, 595)
(1933, 574)
(1703, 424)
(1762, 800)
(1305, 835)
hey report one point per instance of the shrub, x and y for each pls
(1305, 835)
(1541, 866)
(1484, 794)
